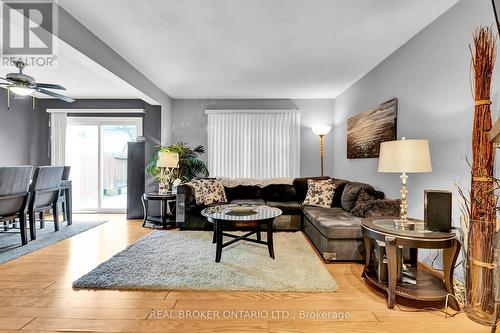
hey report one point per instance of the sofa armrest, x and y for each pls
(180, 208)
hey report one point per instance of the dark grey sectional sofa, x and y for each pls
(334, 231)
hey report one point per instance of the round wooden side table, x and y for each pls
(429, 287)
(167, 208)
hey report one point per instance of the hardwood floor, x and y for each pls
(36, 295)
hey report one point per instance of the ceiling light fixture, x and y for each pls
(21, 91)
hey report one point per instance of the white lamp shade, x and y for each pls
(167, 160)
(405, 156)
(321, 130)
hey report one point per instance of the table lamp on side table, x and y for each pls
(404, 156)
(167, 162)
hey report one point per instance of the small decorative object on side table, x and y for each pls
(428, 287)
(167, 208)
(244, 217)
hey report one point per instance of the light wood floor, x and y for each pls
(36, 295)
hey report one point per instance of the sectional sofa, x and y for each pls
(334, 231)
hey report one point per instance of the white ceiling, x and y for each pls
(255, 48)
(82, 77)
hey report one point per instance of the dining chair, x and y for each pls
(14, 183)
(62, 197)
(44, 192)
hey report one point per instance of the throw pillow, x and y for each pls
(319, 193)
(368, 206)
(351, 193)
(214, 193)
(208, 191)
(197, 185)
(385, 207)
(363, 204)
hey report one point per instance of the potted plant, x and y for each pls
(189, 167)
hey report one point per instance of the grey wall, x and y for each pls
(19, 132)
(430, 77)
(190, 124)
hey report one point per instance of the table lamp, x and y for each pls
(321, 131)
(404, 156)
(167, 161)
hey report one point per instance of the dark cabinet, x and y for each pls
(135, 179)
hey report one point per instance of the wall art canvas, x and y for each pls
(367, 130)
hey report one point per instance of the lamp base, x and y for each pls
(404, 224)
(163, 188)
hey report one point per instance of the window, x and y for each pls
(253, 143)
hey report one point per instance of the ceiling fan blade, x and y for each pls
(49, 86)
(56, 95)
(2, 78)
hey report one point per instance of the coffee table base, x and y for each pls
(219, 236)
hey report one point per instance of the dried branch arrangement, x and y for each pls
(480, 209)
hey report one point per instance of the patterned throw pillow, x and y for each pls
(197, 185)
(363, 204)
(208, 191)
(368, 206)
(385, 207)
(319, 193)
(214, 192)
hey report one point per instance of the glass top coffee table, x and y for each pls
(246, 217)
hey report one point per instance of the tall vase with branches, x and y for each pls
(480, 210)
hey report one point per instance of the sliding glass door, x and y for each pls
(96, 150)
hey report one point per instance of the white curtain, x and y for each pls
(58, 122)
(253, 144)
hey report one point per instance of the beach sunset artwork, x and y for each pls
(366, 131)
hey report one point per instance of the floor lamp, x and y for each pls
(321, 131)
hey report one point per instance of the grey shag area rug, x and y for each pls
(10, 241)
(184, 260)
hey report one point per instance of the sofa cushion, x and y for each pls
(334, 223)
(319, 193)
(301, 186)
(244, 192)
(248, 201)
(351, 193)
(279, 192)
(337, 197)
(288, 207)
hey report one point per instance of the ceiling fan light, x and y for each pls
(21, 91)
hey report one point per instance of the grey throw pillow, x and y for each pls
(363, 204)
(351, 193)
(368, 206)
(384, 207)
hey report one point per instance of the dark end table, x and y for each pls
(167, 208)
(221, 216)
(428, 287)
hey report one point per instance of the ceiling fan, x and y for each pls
(24, 85)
